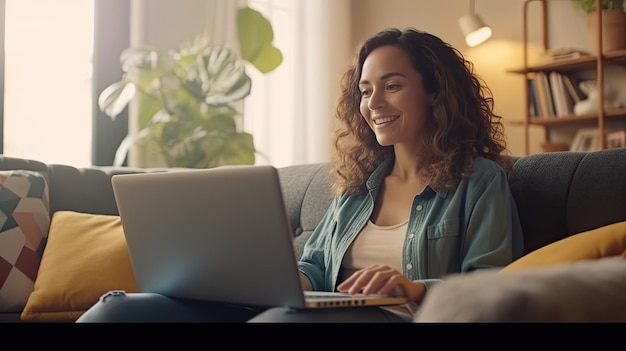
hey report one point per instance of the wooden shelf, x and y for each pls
(574, 66)
(617, 57)
(619, 113)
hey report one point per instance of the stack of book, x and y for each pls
(553, 94)
(563, 54)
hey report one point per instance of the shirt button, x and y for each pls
(409, 266)
(419, 207)
(411, 236)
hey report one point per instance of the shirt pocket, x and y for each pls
(442, 255)
(444, 229)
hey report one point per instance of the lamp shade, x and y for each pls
(474, 29)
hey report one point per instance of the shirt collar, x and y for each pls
(378, 176)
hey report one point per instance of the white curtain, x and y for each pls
(290, 110)
(221, 25)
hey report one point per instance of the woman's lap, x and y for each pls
(370, 314)
(155, 308)
(120, 307)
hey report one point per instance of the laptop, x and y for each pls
(219, 234)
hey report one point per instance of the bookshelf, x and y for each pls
(570, 67)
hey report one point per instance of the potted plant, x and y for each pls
(613, 23)
(188, 99)
(589, 6)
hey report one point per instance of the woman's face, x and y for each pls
(393, 100)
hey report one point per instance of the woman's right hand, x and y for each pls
(383, 280)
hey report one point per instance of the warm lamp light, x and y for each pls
(473, 28)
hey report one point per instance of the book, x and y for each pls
(533, 104)
(563, 54)
(569, 100)
(545, 93)
(542, 94)
(556, 93)
(571, 84)
(562, 102)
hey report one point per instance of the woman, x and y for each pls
(419, 177)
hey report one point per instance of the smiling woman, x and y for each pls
(48, 63)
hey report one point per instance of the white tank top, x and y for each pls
(375, 245)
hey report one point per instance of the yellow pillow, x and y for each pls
(85, 256)
(601, 242)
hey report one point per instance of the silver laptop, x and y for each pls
(219, 234)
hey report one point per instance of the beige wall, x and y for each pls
(492, 60)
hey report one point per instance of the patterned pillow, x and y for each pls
(24, 224)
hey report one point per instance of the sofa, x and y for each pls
(62, 244)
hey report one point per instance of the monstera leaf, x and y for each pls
(218, 77)
(114, 98)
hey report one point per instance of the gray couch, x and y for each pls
(557, 194)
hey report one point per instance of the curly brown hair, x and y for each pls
(462, 127)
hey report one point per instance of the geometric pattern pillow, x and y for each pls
(24, 224)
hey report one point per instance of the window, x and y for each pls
(48, 80)
(58, 56)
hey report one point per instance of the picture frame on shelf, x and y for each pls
(616, 139)
(586, 139)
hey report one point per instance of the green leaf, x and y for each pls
(147, 108)
(239, 150)
(126, 145)
(116, 97)
(222, 123)
(255, 36)
(223, 76)
(268, 59)
(139, 58)
(217, 77)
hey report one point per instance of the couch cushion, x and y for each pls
(601, 242)
(86, 256)
(306, 190)
(597, 194)
(584, 291)
(539, 183)
(86, 190)
(24, 219)
(559, 194)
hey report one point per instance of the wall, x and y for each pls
(166, 23)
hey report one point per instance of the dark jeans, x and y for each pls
(120, 307)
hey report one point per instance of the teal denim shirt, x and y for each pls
(474, 226)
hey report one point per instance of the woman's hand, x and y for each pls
(383, 280)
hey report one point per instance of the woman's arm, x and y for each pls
(493, 236)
